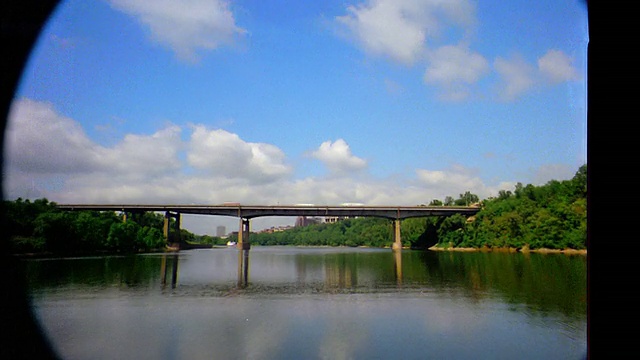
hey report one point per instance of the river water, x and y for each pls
(313, 303)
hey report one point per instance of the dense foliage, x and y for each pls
(552, 216)
(40, 227)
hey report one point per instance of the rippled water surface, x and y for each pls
(313, 303)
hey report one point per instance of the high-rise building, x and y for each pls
(221, 231)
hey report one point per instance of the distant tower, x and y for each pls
(221, 231)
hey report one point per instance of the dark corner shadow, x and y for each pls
(22, 337)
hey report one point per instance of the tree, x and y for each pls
(123, 236)
(56, 229)
(467, 199)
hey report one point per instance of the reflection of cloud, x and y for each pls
(345, 338)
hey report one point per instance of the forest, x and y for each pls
(550, 216)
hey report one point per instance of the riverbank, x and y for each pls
(512, 250)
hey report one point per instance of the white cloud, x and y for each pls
(224, 154)
(517, 76)
(398, 29)
(338, 158)
(39, 140)
(455, 67)
(424, 31)
(143, 155)
(50, 156)
(451, 182)
(556, 67)
(185, 26)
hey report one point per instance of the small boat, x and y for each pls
(231, 243)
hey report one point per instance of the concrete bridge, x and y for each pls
(247, 212)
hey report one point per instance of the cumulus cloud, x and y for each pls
(40, 140)
(456, 180)
(144, 155)
(49, 155)
(224, 154)
(398, 29)
(455, 67)
(185, 26)
(424, 31)
(337, 157)
(517, 76)
(556, 67)
(46, 151)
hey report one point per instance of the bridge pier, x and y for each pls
(175, 240)
(243, 235)
(397, 239)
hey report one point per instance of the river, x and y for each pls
(313, 303)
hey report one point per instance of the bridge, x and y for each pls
(247, 212)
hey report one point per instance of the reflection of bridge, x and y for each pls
(337, 275)
(247, 212)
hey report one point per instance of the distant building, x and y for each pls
(276, 229)
(305, 221)
(333, 219)
(221, 231)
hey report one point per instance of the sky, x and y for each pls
(387, 102)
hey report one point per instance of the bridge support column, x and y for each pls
(175, 240)
(165, 227)
(397, 239)
(243, 235)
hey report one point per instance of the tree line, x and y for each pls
(552, 216)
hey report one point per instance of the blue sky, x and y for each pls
(388, 102)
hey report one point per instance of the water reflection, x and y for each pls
(243, 268)
(313, 303)
(397, 264)
(540, 282)
(174, 270)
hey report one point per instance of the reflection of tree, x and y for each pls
(128, 271)
(543, 281)
(174, 269)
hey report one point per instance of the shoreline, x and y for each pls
(512, 250)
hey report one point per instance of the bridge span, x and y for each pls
(247, 212)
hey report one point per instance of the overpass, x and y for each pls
(247, 212)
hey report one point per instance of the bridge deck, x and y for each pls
(252, 211)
